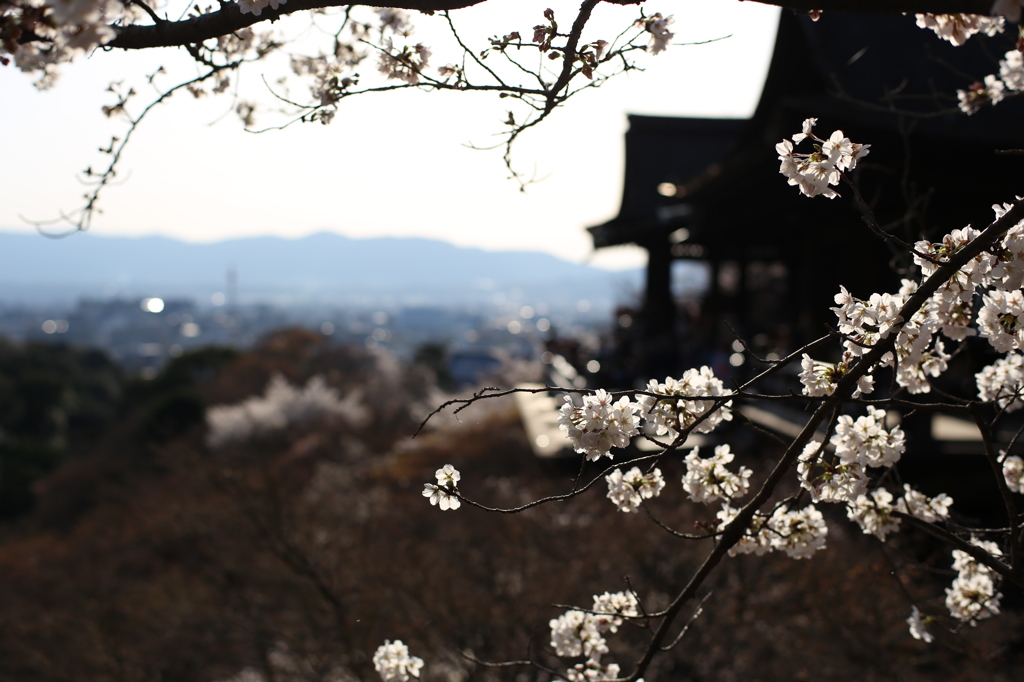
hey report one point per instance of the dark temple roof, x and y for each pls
(881, 78)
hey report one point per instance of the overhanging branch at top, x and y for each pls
(229, 18)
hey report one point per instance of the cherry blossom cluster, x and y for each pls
(918, 354)
(866, 441)
(957, 28)
(815, 173)
(874, 513)
(820, 378)
(580, 633)
(677, 405)
(1013, 471)
(67, 28)
(1002, 382)
(991, 89)
(828, 479)
(443, 494)
(406, 64)
(394, 664)
(629, 490)
(973, 595)
(256, 7)
(708, 479)
(657, 26)
(799, 532)
(600, 424)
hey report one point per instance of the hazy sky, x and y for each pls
(390, 164)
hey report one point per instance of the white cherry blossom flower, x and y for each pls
(678, 404)
(576, 633)
(443, 494)
(708, 479)
(1003, 382)
(930, 509)
(1011, 70)
(611, 608)
(865, 441)
(657, 26)
(957, 28)
(830, 481)
(873, 513)
(1013, 471)
(799, 533)
(600, 424)
(918, 626)
(629, 490)
(394, 664)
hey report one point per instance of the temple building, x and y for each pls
(709, 190)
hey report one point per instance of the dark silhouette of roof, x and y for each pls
(881, 78)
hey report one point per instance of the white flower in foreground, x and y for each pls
(709, 479)
(1003, 382)
(990, 91)
(576, 633)
(448, 476)
(799, 533)
(600, 424)
(1001, 319)
(657, 26)
(930, 509)
(609, 608)
(918, 629)
(1013, 470)
(443, 494)
(973, 595)
(592, 671)
(671, 408)
(1011, 70)
(957, 28)
(873, 513)
(255, 7)
(393, 662)
(813, 173)
(865, 440)
(829, 481)
(628, 490)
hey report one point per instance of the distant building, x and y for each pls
(709, 190)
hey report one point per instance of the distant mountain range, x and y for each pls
(321, 268)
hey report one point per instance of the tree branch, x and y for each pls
(229, 18)
(885, 6)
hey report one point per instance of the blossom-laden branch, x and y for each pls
(886, 330)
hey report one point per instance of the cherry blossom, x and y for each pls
(1003, 382)
(443, 494)
(918, 626)
(629, 490)
(657, 26)
(827, 479)
(930, 509)
(394, 664)
(708, 479)
(1013, 471)
(957, 28)
(973, 595)
(814, 173)
(600, 424)
(670, 410)
(874, 513)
